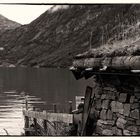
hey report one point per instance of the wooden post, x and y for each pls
(26, 102)
(45, 122)
(70, 107)
(35, 123)
(54, 108)
(27, 133)
(85, 114)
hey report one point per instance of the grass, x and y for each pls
(123, 43)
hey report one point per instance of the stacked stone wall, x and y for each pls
(115, 113)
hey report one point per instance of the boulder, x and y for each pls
(123, 97)
(116, 131)
(135, 114)
(103, 114)
(109, 115)
(121, 123)
(107, 132)
(126, 111)
(105, 104)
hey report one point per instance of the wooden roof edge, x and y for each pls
(122, 62)
(124, 65)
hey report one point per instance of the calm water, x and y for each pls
(43, 87)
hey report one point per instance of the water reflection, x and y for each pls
(43, 87)
(11, 105)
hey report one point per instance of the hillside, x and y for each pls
(62, 32)
(6, 24)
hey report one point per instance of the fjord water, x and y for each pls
(43, 87)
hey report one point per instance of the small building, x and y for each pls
(116, 88)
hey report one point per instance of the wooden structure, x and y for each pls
(116, 82)
(59, 124)
(47, 124)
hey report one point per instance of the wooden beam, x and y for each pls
(118, 63)
(52, 117)
(87, 104)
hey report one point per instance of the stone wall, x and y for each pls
(115, 112)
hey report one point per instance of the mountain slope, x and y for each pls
(62, 32)
(5, 23)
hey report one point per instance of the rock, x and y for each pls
(135, 106)
(123, 97)
(135, 134)
(121, 123)
(135, 100)
(99, 130)
(132, 99)
(109, 89)
(116, 131)
(110, 95)
(103, 114)
(114, 116)
(120, 115)
(113, 106)
(130, 119)
(131, 123)
(104, 126)
(138, 122)
(98, 104)
(107, 132)
(97, 96)
(126, 110)
(109, 115)
(117, 107)
(135, 114)
(103, 96)
(126, 133)
(105, 104)
(137, 95)
(107, 122)
(132, 128)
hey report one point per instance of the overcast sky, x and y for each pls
(23, 14)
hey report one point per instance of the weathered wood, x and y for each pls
(26, 125)
(70, 107)
(86, 109)
(52, 117)
(26, 103)
(35, 125)
(54, 108)
(26, 121)
(45, 122)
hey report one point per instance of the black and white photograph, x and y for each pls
(69, 69)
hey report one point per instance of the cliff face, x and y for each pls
(62, 32)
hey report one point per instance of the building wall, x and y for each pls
(115, 111)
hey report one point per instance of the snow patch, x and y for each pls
(58, 7)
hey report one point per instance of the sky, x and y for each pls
(23, 14)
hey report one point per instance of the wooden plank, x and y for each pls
(86, 108)
(52, 117)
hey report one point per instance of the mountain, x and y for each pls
(55, 37)
(6, 24)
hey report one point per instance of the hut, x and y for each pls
(115, 109)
